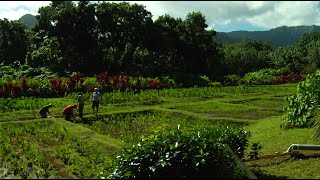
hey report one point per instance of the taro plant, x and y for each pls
(301, 107)
(197, 153)
(255, 150)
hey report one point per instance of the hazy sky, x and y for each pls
(222, 16)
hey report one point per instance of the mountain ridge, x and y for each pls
(276, 37)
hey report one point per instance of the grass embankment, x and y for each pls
(274, 139)
(258, 109)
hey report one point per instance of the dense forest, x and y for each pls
(95, 37)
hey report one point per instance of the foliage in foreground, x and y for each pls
(188, 154)
(302, 106)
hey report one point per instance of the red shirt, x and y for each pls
(68, 108)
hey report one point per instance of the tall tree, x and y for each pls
(13, 42)
(75, 30)
(200, 49)
(246, 56)
(121, 37)
(169, 44)
(122, 28)
(289, 57)
(309, 45)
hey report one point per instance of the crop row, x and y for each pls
(147, 97)
(45, 150)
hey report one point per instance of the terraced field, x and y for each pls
(55, 148)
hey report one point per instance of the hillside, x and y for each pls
(280, 36)
(28, 20)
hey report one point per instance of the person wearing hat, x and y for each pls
(44, 110)
(68, 112)
(96, 97)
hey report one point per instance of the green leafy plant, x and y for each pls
(25, 147)
(263, 76)
(301, 107)
(177, 153)
(232, 79)
(255, 150)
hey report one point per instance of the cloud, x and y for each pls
(263, 14)
(227, 15)
(289, 14)
(13, 10)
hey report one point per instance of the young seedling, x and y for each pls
(255, 151)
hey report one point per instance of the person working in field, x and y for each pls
(80, 104)
(96, 97)
(44, 110)
(68, 112)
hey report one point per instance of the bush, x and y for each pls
(282, 71)
(291, 78)
(231, 80)
(190, 154)
(90, 82)
(24, 67)
(302, 106)
(263, 76)
(215, 84)
(202, 81)
(189, 80)
(168, 82)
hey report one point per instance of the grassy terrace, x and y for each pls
(62, 149)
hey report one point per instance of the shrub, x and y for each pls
(168, 82)
(215, 84)
(263, 76)
(309, 69)
(90, 83)
(282, 71)
(34, 83)
(189, 80)
(291, 78)
(232, 80)
(50, 85)
(24, 67)
(202, 81)
(190, 154)
(301, 106)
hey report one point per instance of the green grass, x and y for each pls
(215, 108)
(125, 118)
(274, 139)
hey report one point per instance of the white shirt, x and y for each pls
(96, 96)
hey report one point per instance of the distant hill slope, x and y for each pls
(280, 36)
(28, 20)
